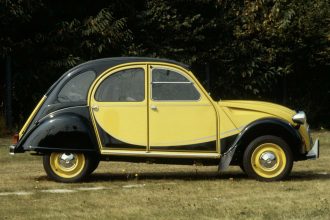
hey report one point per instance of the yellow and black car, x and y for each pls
(155, 110)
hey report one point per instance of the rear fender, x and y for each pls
(61, 132)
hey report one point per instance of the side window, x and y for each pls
(122, 86)
(76, 89)
(168, 85)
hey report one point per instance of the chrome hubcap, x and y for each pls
(67, 160)
(268, 160)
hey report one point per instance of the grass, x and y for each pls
(149, 191)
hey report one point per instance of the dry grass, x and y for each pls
(141, 191)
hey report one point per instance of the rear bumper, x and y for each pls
(12, 149)
(314, 153)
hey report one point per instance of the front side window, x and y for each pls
(168, 85)
(123, 86)
(76, 89)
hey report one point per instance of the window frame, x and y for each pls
(116, 72)
(187, 77)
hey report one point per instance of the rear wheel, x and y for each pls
(67, 167)
(268, 158)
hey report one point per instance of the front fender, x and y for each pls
(270, 126)
(61, 132)
(266, 126)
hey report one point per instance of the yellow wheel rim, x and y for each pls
(67, 165)
(268, 160)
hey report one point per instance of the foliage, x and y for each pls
(48, 40)
(257, 41)
(14, 15)
(257, 49)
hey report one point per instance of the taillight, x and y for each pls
(15, 138)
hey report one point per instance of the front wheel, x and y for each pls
(268, 158)
(67, 167)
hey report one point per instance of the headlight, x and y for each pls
(299, 118)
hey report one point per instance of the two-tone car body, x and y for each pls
(155, 110)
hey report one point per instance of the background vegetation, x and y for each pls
(274, 50)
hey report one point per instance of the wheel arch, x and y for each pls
(268, 126)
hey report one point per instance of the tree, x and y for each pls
(45, 38)
(270, 50)
(255, 49)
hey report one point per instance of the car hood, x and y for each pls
(264, 107)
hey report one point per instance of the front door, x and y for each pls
(181, 117)
(119, 107)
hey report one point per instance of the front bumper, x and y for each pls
(314, 153)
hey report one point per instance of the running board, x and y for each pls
(160, 154)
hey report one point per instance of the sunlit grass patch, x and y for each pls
(152, 191)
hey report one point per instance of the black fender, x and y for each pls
(266, 126)
(64, 131)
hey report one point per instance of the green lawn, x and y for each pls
(150, 191)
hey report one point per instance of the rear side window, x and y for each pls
(122, 86)
(76, 89)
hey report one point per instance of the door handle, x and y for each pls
(95, 108)
(153, 107)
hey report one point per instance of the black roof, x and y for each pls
(100, 65)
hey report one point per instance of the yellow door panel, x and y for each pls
(119, 107)
(176, 124)
(127, 123)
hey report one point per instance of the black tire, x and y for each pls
(67, 167)
(268, 158)
(242, 167)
